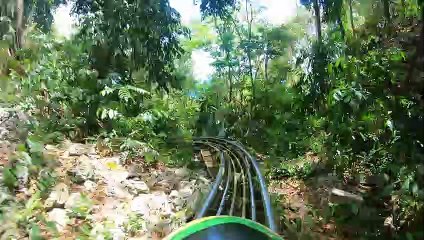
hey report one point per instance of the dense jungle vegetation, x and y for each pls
(342, 81)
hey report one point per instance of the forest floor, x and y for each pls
(94, 196)
(324, 206)
(301, 208)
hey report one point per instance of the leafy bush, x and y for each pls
(69, 98)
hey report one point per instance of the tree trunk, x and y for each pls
(266, 67)
(342, 29)
(386, 9)
(229, 76)
(416, 61)
(19, 23)
(249, 52)
(351, 17)
(317, 20)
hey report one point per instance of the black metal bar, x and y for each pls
(214, 189)
(234, 195)
(252, 193)
(224, 195)
(234, 157)
(264, 190)
(249, 162)
(249, 178)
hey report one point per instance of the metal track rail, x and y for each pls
(237, 184)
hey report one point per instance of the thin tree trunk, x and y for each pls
(419, 53)
(249, 52)
(342, 29)
(317, 20)
(230, 81)
(19, 23)
(266, 67)
(351, 17)
(386, 9)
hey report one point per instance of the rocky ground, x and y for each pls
(92, 196)
(149, 204)
(101, 193)
(12, 129)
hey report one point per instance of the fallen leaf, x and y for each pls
(112, 165)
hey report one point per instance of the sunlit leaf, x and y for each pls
(112, 165)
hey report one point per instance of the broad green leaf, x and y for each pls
(9, 178)
(35, 233)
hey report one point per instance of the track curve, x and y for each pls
(239, 188)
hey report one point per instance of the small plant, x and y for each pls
(135, 225)
(299, 168)
(82, 207)
(18, 218)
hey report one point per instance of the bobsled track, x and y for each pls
(239, 189)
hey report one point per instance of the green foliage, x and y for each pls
(39, 12)
(352, 97)
(42, 12)
(217, 8)
(82, 207)
(367, 120)
(60, 85)
(132, 35)
(135, 225)
(297, 168)
(19, 217)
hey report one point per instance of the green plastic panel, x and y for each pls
(223, 228)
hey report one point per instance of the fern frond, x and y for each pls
(138, 90)
(124, 94)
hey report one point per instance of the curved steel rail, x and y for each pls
(235, 162)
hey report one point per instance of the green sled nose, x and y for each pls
(223, 228)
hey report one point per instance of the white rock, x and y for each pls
(117, 234)
(114, 189)
(137, 186)
(164, 185)
(174, 194)
(59, 217)
(179, 203)
(58, 196)
(90, 185)
(73, 200)
(112, 210)
(140, 204)
(84, 169)
(184, 183)
(78, 149)
(185, 192)
(117, 176)
(146, 204)
(159, 224)
(182, 172)
(207, 181)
